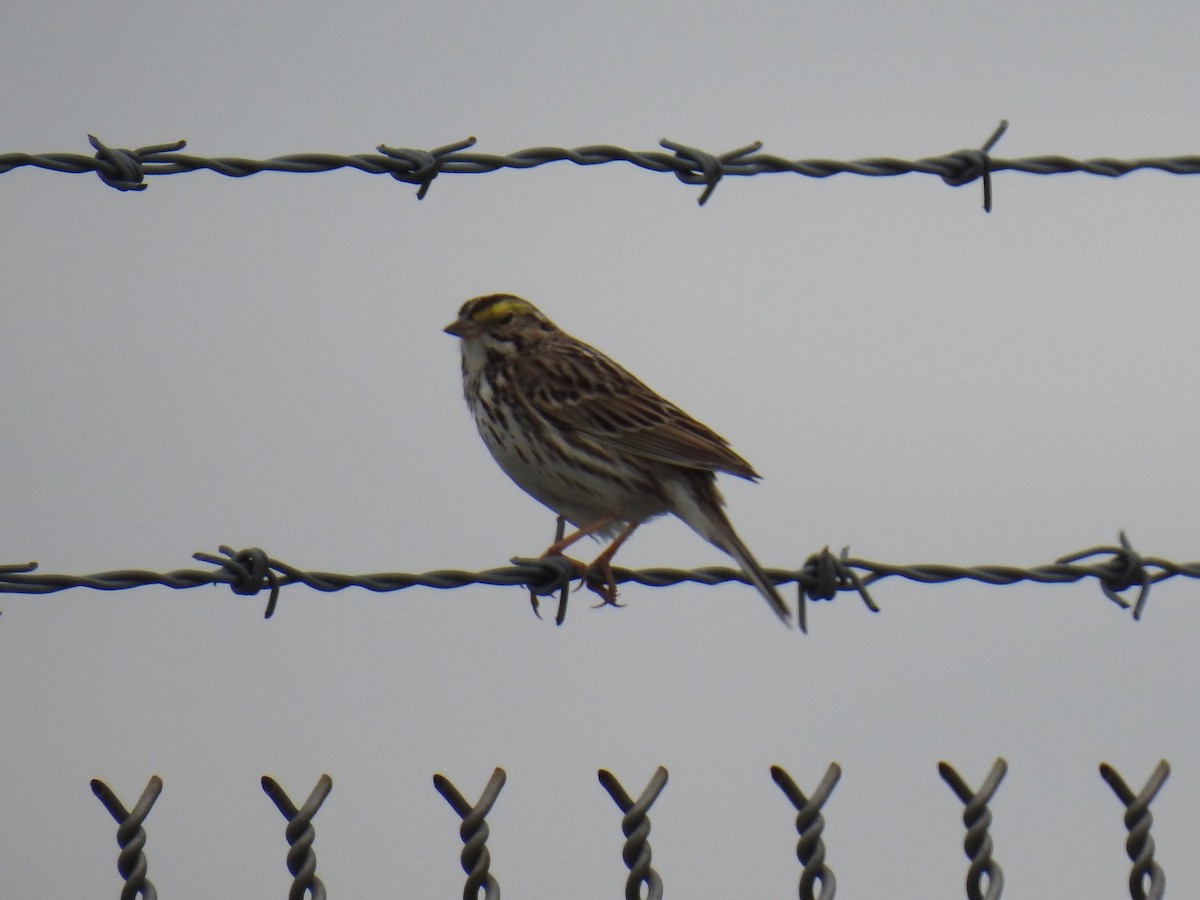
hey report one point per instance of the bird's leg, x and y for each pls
(607, 588)
(557, 548)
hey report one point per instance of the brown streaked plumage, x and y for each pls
(589, 440)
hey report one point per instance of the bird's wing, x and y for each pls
(580, 389)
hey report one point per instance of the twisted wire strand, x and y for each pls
(1146, 879)
(1140, 845)
(635, 825)
(1117, 568)
(810, 848)
(475, 859)
(301, 859)
(127, 169)
(131, 837)
(978, 818)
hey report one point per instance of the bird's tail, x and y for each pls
(705, 516)
(732, 544)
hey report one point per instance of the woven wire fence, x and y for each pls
(127, 169)
(1123, 574)
(984, 879)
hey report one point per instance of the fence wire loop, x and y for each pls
(700, 167)
(703, 167)
(426, 164)
(977, 164)
(1140, 845)
(300, 834)
(823, 577)
(122, 169)
(546, 575)
(977, 818)
(249, 572)
(810, 848)
(635, 825)
(559, 530)
(475, 859)
(131, 837)
(1126, 569)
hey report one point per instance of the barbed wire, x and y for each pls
(127, 169)
(1116, 568)
(984, 880)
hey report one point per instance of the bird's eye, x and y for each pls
(505, 319)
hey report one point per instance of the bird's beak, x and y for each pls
(462, 328)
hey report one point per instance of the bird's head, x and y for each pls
(502, 322)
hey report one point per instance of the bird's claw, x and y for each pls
(600, 581)
(607, 597)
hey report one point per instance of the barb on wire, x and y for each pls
(126, 170)
(978, 164)
(131, 837)
(1140, 845)
(300, 834)
(425, 165)
(977, 818)
(704, 168)
(122, 169)
(564, 572)
(1124, 570)
(810, 848)
(248, 571)
(822, 577)
(635, 825)
(475, 859)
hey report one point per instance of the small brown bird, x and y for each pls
(586, 438)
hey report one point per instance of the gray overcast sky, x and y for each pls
(258, 362)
